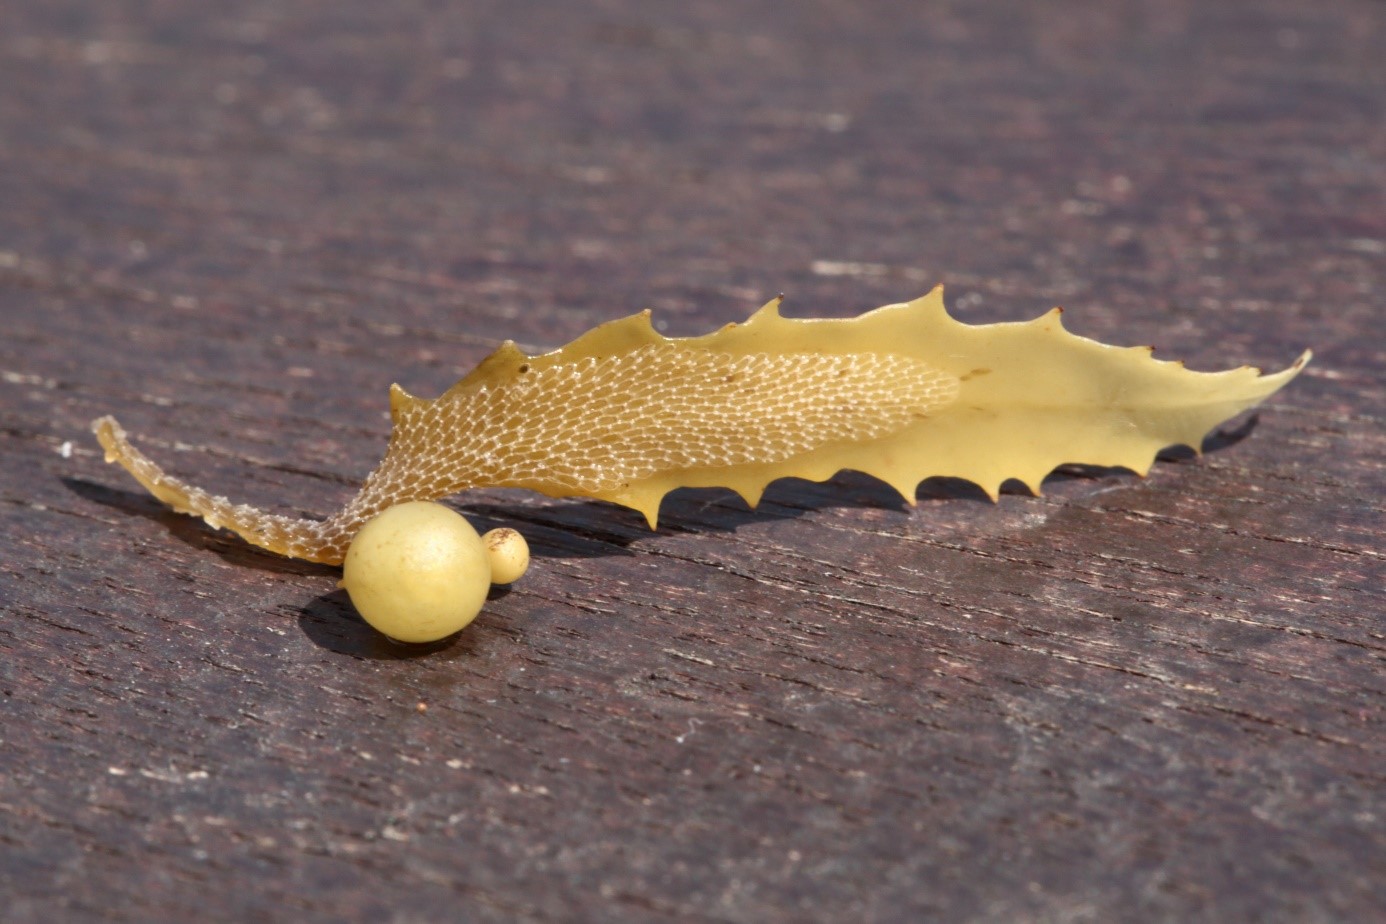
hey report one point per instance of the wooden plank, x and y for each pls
(1155, 699)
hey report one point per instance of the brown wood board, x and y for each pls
(1129, 699)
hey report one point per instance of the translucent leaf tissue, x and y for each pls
(626, 415)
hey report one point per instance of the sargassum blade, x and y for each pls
(624, 414)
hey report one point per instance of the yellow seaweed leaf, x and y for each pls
(626, 415)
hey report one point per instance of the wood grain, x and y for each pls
(1156, 699)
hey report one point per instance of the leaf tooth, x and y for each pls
(650, 511)
(1053, 316)
(1141, 462)
(907, 487)
(930, 305)
(900, 475)
(750, 493)
(770, 311)
(645, 499)
(400, 400)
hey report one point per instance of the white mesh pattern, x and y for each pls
(596, 426)
(602, 423)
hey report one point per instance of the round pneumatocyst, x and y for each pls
(509, 554)
(418, 572)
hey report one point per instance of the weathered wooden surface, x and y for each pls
(1126, 700)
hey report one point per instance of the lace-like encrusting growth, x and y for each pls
(603, 423)
(296, 538)
(600, 425)
(596, 426)
(625, 415)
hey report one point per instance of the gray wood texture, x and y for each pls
(1142, 700)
